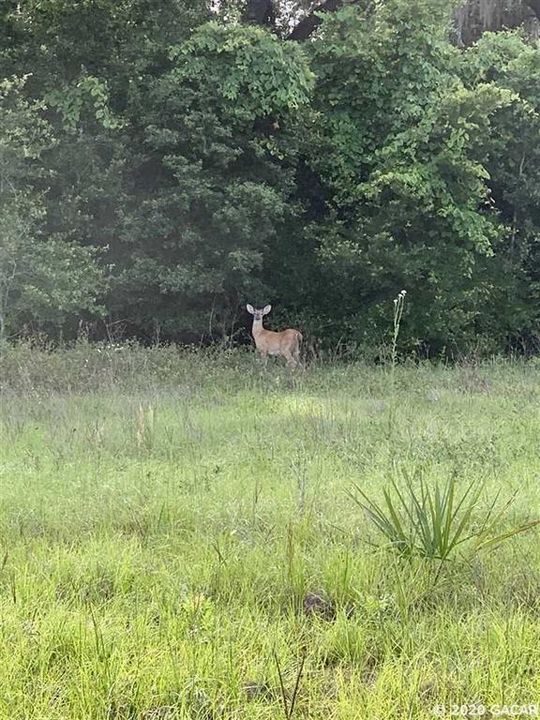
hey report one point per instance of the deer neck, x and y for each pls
(257, 328)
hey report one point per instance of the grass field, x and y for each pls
(176, 533)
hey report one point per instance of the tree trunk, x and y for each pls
(472, 19)
(307, 26)
(535, 7)
(260, 12)
(475, 17)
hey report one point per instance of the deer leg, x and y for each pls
(291, 361)
(293, 357)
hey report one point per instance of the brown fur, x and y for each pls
(285, 343)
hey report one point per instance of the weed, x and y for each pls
(433, 521)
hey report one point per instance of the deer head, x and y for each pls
(258, 314)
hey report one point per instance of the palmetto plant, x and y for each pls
(432, 522)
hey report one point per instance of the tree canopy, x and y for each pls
(163, 163)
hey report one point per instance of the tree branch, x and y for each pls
(262, 12)
(534, 6)
(307, 26)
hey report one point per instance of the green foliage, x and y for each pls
(70, 103)
(251, 73)
(56, 280)
(513, 163)
(212, 161)
(412, 199)
(42, 280)
(198, 231)
(433, 521)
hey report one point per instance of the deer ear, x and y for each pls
(267, 309)
(249, 308)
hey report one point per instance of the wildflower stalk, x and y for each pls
(399, 305)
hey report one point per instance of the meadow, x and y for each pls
(178, 538)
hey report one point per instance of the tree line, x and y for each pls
(163, 163)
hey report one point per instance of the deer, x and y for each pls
(285, 343)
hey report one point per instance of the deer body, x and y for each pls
(285, 343)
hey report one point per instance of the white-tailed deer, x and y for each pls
(285, 343)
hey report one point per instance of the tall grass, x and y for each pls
(177, 541)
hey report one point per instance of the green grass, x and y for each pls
(166, 517)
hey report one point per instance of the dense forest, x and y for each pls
(163, 163)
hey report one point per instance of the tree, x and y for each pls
(321, 155)
(404, 199)
(42, 280)
(300, 19)
(212, 181)
(512, 160)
